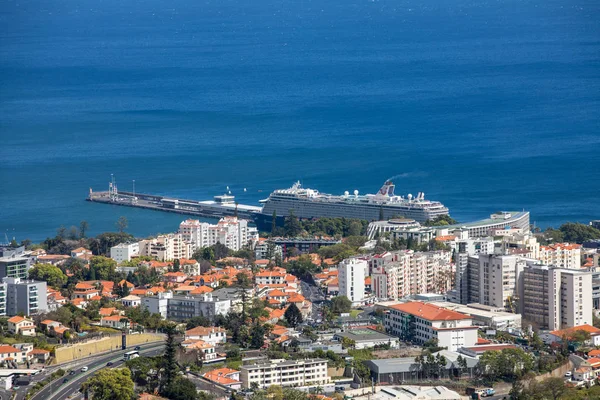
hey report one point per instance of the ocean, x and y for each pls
(483, 105)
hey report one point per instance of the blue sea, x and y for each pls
(483, 105)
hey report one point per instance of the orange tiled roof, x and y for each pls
(8, 349)
(429, 312)
(568, 332)
(106, 311)
(202, 290)
(594, 353)
(16, 319)
(203, 330)
(368, 280)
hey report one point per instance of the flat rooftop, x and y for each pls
(515, 215)
(360, 335)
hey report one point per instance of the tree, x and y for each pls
(243, 280)
(508, 364)
(182, 389)
(257, 336)
(197, 321)
(578, 233)
(274, 222)
(275, 392)
(122, 224)
(110, 384)
(580, 336)
(549, 388)
(104, 268)
(291, 225)
(169, 365)
(440, 220)
(83, 228)
(355, 228)
(293, 316)
(49, 273)
(341, 304)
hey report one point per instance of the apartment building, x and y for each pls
(296, 373)
(229, 231)
(420, 322)
(166, 247)
(14, 262)
(28, 297)
(351, 275)
(498, 280)
(525, 243)
(124, 251)
(556, 298)
(400, 274)
(186, 307)
(561, 255)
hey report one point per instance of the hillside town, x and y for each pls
(329, 308)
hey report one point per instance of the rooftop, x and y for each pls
(429, 312)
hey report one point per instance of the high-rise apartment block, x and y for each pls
(351, 275)
(556, 298)
(400, 274)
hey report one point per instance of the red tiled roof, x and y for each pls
(429, 312)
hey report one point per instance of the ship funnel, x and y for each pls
(409, 196)
(356, 193)
(346, 193)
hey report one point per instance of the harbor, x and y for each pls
(220, 206)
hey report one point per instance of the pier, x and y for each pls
(221, 206)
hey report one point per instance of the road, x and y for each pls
(60, 391)
(315, 296)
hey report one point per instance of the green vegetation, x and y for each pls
(338, 227)
(276, 392)
(110, 384)
(440, 221)
(431, 366)
(507, 364)
(570, 232)
(341, 304)
(48, 273)
(293, 316)
(551, 389)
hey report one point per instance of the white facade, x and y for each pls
(311, 372)
(557, 298)
(499, 280)
(124, 251)
(166, 247)
(403, 273)
(212, 335)
(229, 231)
(420, 322)
(351, 275)
(561, 255)
(131, 301)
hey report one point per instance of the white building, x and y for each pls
(229, 231)
(124, 251)
(131, 301)
(561, 255)
(556, 298)
(403, 273)
(267, 250)
(186, 307)
(166, 247)
(499, 280)
(380, 228)
(351, 275)
(420, 322)
(213, 335)
(297, 373)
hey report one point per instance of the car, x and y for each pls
(84, 369)
(568, 374)
(108, 364)
(65, 380)
(72, 372)
(16, 388)
(137, 348)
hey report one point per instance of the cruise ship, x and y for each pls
(309, 203)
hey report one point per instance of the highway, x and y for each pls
(60, 391)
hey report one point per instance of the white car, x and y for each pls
(568, 374)
(84, 369)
